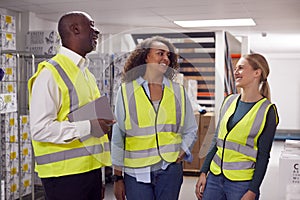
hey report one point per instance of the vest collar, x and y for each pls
(141, 81)
(76, 58)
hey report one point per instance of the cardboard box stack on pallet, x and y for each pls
(206, 132)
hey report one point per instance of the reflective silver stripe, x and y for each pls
(224, 108)
(72, 153)
(229, 101)
(132, 105)
(74, 102)
(152, 152)
(246, 150)
(84, 138)
(150, 130)
(234, 165)
(257, 123)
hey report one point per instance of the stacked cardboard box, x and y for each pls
(9, 157)
(15, 144)
(26, 156)
(289, 170)
(8, 64)
(42, 42)
(206, 131)
(8, 88)
(16, 158)
(7, 32)
(101, 66)
(9, 129)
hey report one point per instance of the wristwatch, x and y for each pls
(116, 178)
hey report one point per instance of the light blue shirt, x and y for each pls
(189, 135)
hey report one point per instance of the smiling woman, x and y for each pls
(136, 63)
(156, 128)
(240, 151)
(157, 62)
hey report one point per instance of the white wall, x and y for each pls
(38, 24)
(284, 82)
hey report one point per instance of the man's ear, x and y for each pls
(75, 29)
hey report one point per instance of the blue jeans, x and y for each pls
(165, 185)
(221, 188)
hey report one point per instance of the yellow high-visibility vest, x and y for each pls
(237, 149)
(79, 156)
(152, 135)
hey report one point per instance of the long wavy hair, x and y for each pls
(137, 59)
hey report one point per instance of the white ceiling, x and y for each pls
(279, 19)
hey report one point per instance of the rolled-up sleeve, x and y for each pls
(117, 142)
(189, 131)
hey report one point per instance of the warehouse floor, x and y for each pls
(270, 188)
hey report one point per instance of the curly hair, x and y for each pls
(138, 56)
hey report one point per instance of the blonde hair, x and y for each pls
(258, 61)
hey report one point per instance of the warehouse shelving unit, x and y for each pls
(20, 184)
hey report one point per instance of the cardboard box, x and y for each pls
(26, 166)
(7, 41)
(194, 165)
(289, 170)
(8, 102)
(10, 127)
(293, 192)
(10, 73)
(11, 158)
(26, 185)
(47, 49)
(206, 132)
(43, 42)
(207, 123)
(205, 144)
(8, 87)
(7, 23)
(25, 129)
(40, 38)
(8, 60)
(12, 188)
(26, 152)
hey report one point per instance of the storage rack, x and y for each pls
(25, 67)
